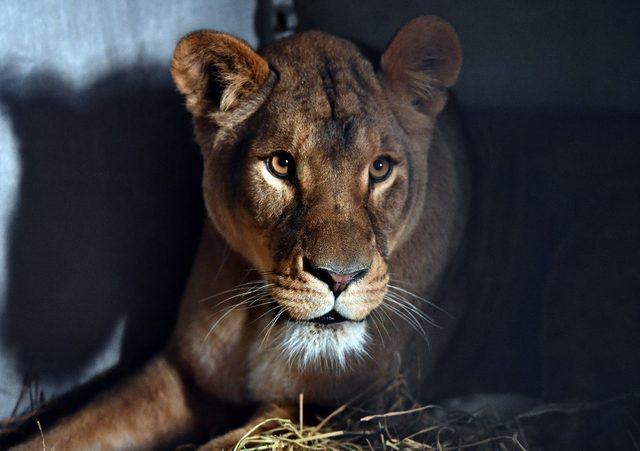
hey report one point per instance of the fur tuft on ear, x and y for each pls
(222, 78)
(423, 59)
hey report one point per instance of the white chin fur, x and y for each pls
(307, 344)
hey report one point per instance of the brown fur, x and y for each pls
(315, 97)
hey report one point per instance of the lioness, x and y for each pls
(335, 202)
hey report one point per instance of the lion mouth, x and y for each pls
(329, 318)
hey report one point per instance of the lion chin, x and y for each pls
(306, 344)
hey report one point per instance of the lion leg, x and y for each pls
(146, 412)
(228, 441)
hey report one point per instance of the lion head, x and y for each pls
(315, 164)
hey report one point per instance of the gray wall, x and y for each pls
(99, 182)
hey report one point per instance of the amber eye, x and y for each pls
(380, 169)
(280, 164)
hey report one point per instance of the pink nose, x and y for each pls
(335, 277)
(340, 281)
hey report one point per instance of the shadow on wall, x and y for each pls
(107, 220)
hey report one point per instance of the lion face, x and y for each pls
(315, 167)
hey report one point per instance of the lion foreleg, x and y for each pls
(146, 412)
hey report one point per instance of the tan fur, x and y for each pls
(315, 97)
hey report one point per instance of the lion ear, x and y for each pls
(222, 78)
(422, 61)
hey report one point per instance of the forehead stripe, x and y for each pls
(328, 81)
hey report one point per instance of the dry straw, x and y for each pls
(417, 428)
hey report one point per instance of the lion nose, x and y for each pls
(336, 278)
(340, 281)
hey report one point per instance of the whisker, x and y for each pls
(381, 320)
(388, 317)
(399, 313)
(247, 302)
(409, 318)
(420, 298)
(406, 304)
(245, 293)
(247, 285)
(408, 315)
(412, 310)
(218, 321)
(375, 320)
(275, 307)
(270, 326)
(230, 290)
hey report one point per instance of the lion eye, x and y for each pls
(280, 165)
(380, 169)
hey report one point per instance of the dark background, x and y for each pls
(550, 97)
(108, 207)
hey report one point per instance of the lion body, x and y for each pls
(317, 97)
